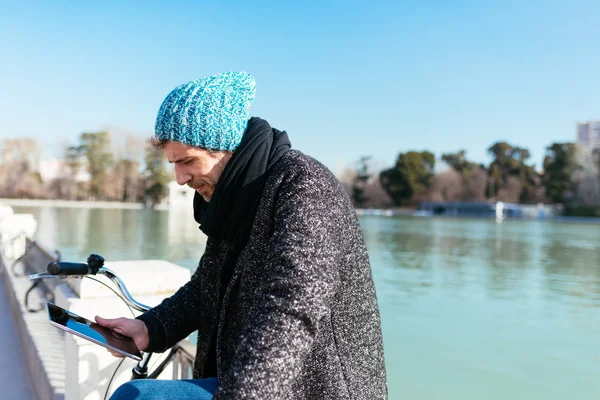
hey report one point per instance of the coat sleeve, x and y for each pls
(179, 315)
(298, 282)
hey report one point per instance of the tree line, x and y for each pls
(98, 167)
(126, 168)
(570, 175)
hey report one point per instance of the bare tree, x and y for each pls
(447, 186)
(347, 178)
(61, 187)
(370, 189)
(19, 171)
(511, 191)
(65, 185)
(476, 185)
(376, 195)
(29, 187)
(126, 183)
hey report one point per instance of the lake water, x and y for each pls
(471, 309)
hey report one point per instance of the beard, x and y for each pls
(195, 184)
(203, 188)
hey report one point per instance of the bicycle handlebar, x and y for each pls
(93, 266)
(68, 268)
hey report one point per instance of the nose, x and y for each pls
(181, 176)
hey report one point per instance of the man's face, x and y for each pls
(198, 168)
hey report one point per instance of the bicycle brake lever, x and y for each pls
(45, 275)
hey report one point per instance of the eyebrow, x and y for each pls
(182, 159)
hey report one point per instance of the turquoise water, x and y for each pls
(471, 309)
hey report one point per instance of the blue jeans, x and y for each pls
(155, 389)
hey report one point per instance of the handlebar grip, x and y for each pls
(68, 268)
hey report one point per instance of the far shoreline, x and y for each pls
(399, 212)
(79, 204)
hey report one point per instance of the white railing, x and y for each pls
(183, 364)
(148, 281)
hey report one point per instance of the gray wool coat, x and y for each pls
(299, 319)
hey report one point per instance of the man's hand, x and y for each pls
(133, 328)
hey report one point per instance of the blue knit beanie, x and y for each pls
(211, 113)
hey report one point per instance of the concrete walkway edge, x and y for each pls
(45, 371)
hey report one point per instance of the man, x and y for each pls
(283, 298)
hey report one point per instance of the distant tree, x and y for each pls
(363, 185)
(346, 178)
(501, 167)
(458, 161)
(61, 187)
(360, 182)
(476, 185)
(126, 182)
(410, 178)
(67, 185)
(29, 187)
(511, 162)
(376, 196)
(94, 148)
(447, 186)
(559, 165)
(19, 171)
(156, 175)
(474, 178)
(532, 187)
(511, 189)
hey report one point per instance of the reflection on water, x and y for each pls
(470, 309)
(119, 234)
(506, 258)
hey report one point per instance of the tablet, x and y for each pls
(93, 332)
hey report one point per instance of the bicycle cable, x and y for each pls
(132, 313)
(161, 366)
(114, 291)
(113, 377)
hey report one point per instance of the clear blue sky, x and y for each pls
(344, 78)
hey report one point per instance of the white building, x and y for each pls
(182, 226)
(588, 134)
(180, 197)
(51, 169)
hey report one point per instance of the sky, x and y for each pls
(343, 78)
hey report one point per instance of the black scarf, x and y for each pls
(230, 213)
